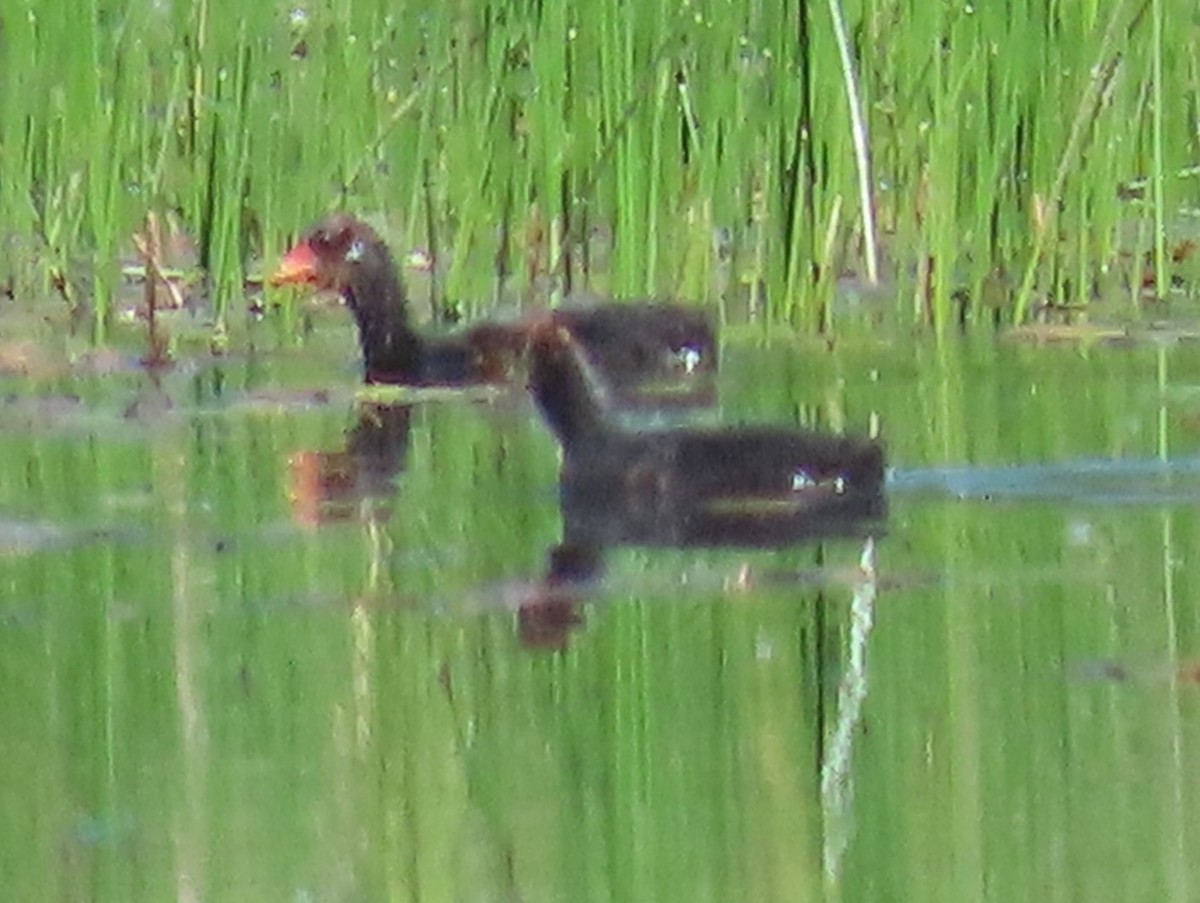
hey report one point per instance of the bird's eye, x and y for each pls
(333, 238)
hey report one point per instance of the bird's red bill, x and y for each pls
(298, 266)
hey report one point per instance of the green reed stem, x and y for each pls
(1162, 273)
(1107, 64)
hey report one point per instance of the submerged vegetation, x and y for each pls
(1021, 154)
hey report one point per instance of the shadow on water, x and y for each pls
(1117, 481)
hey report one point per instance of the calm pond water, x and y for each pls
(222, 681)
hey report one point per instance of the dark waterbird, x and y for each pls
(630, 343)
(733, 486)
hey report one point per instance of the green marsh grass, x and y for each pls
(534, 149)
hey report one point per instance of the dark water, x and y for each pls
(249, 650)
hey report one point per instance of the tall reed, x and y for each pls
(656, 148)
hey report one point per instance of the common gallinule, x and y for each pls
(630, 344)
(752, 486)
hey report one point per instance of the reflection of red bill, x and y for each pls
(324, 487)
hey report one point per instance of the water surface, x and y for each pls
(225, 679)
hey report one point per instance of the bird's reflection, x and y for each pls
(548, 615)
(332, 486)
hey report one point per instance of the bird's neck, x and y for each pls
(570, 398)
(376, 298)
